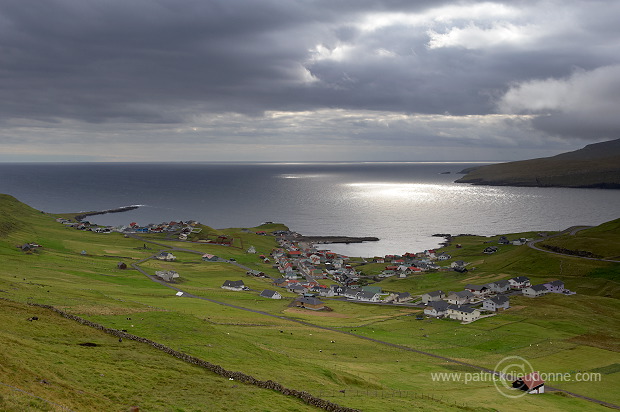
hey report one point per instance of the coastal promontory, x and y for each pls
(596, 165)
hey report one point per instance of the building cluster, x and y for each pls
(468, 304)
(416, 263)
(184, 228)
(295, 260)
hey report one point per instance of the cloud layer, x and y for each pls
(257, 80)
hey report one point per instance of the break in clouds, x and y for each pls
(276, 80)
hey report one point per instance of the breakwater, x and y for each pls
(335, 239)
(84, 215)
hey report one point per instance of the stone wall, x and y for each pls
(237, 376)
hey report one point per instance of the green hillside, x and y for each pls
(327, 355)
(602, 241)
(596, 165)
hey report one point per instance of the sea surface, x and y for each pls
(403, 204)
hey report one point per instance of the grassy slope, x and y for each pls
(45, 358)
(299, 356)
(595, 165)
(601, 240)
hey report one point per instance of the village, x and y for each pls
(314, 274)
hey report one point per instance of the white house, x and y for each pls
(433, 296)
(478, 290)
(437, 309)
(463, 313)
(495, 303)
(167, 256)
(531, 383)
(556, 286)
(535, 291)
(519, 282)
(499, 286)
(350, 293)
(459, 298)
(457, 264)
(271, 294)
(402, 297)
(167, 275)
(236, 285)
(368, 296)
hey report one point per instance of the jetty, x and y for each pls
(84, 215)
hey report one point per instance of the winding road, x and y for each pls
(570, 231)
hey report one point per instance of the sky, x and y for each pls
(306, 80)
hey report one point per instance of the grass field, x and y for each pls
(555, 333)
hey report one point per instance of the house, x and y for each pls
(281, 282)
(350, 293)
(402, 297)
(374, 289)
(490, 249)
(236, 285)
(167, 275)
(315, 259)
(503, 240)
(478, 290)
(433, 296)
(365, 296)
(309, 303)
(167, 256)
(209, 258)
(270, 294)
(256, 273)
(463, 313)
(121, 265)
(457, 264)
(530, 383)
(296, 288)
(535, 291)
(495, 303)
(459, 298)
(443, 256)
(251, 249)
(337, 289)
(519, 282)
(499, 286)
(556, 286)
(437, 309)
(387, 273)
(323, 291)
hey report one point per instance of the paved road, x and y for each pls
(393, 345)
(570, 231)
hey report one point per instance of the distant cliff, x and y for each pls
(596, 165)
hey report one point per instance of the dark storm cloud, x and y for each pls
(171, 62)
(107, 60)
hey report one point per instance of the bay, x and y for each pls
(401, 203)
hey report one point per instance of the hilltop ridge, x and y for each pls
(596, 165)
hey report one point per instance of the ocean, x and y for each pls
(403, 204)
